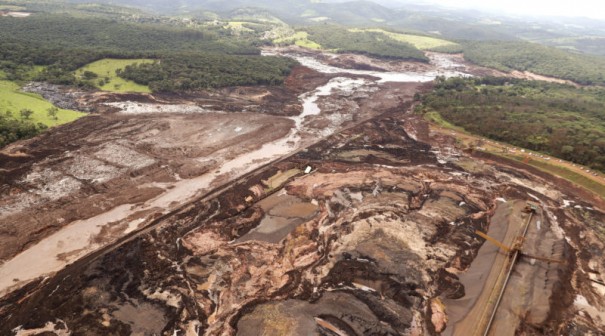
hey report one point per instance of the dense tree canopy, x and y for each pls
(67, 32)
(363, 42)
(50, 48)
(548, 61)
(189, 58)
(555, 119)
(181, 72)
(12, 129)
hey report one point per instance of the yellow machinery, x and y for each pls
(513, 253)
(518, 243)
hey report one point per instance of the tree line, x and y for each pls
(63, 44)
(187, 59)
(536, 58)
(192, 71)
(363, 42)
(555, 119)
(12, 129)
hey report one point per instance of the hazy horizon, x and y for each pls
(578, 8)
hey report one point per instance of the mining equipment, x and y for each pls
(513, 252)
(531, 209)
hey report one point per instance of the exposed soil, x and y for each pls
(390, 233)
(113, 172)
(195, 234)
(106, 161)
(437, 60)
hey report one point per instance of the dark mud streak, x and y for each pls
(156, 261)
(128, 253)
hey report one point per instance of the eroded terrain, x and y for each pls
(325, 208)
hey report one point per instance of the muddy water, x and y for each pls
(292, 141)
(143, 318)
(445, 66)
(309, 99)
(283, 214)
(75, 240)
(44, 257)
(530, 287)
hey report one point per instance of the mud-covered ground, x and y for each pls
(139, 157)
(184, 223)
(383, 232)
(365, 63)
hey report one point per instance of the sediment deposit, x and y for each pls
(333, 211)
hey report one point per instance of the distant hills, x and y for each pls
(572, 34)
(291, 11)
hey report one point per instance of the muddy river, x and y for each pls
(444, 65)
(77, 239)
(346, 225)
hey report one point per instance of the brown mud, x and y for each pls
(97, 163)
(390, 233)
(376, 239)
(363, 62)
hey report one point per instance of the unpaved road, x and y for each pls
(496, 147)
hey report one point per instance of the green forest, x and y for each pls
(63, 44)
(543, 60)
(68, 32)
(12, 129)
(368, 43)
(51, 47)
(183, 72)
(555, 119)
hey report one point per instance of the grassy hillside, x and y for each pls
(15, 125)
(420, 42)
(342, 40)
(583, 44)
(239, 26)
(12, 101)
(300, 39)
(106, 77)
(566, 173)
(373, 42)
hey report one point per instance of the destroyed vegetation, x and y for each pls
(231, 186)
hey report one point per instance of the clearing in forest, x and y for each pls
(238, 26)
(106, 78)
(420, 42)
(300, 38)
